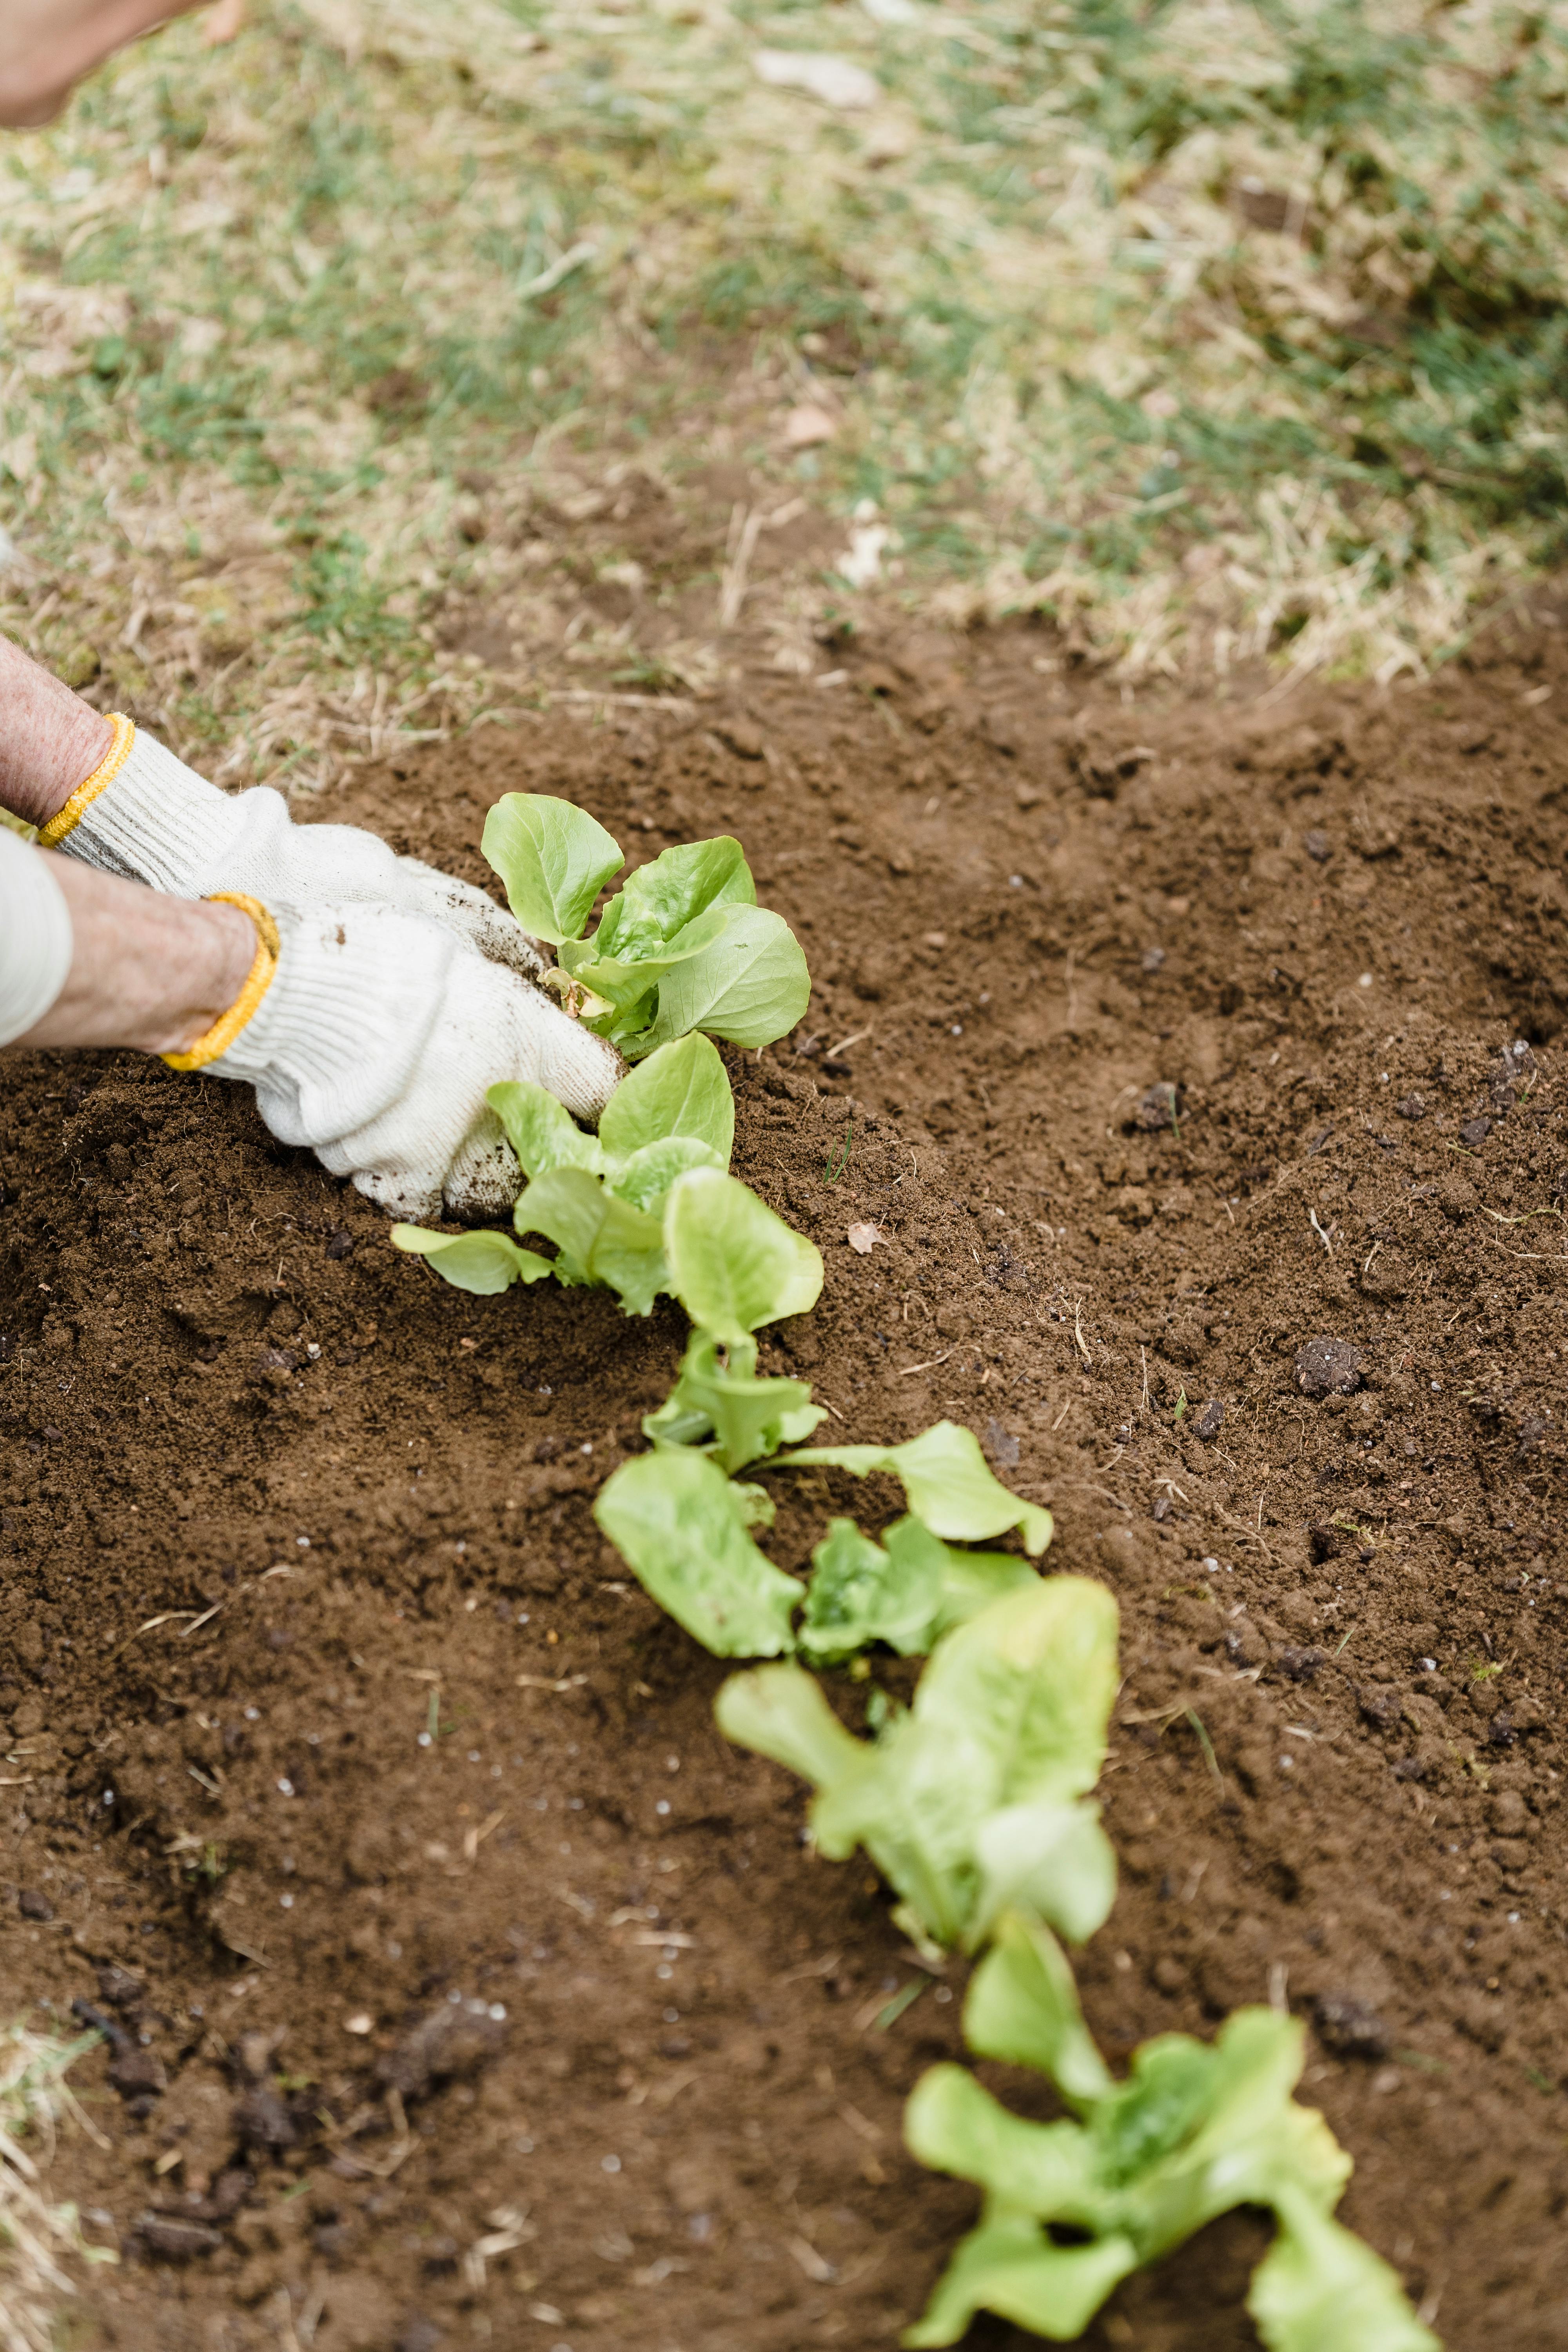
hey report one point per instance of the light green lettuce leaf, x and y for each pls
(672, 890)
(747, 981)
(858, 1595)
(780, 1712)
(1027, 2014)
(680, 1527)
(1196, 2129)
(681, 1089)
(907, 1590)
(979, 1787)
(628, 983)
(541, 1130)
(1320, 2288)
(483, 1263)
(644, 1177)
(971, 1580)
(554, 860)
(1008, 2265)
(602, 1240)
(721, 1404)
(733, 1264)
(948, 1482)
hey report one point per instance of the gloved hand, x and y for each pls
(146, 817)
(374, 1038)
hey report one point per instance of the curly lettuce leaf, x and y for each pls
(948, 1482)
(542, 1130)
(628, 983)
(1321, 2289)
(748, 982)
(1196, 2129)
(906, 1591)
(483, 1263)
(734, 1265)
(973, 1799)
(646, 1178)
(670, 891)
(554, 860)
(602, 1240)
(720, 1404)
(680, 1527)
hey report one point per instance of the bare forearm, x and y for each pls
(47, 44)
(50, 739)
(147, 971)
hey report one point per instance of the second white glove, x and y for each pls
(375, 1042)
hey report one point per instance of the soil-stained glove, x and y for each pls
(144, 815)
(371, 1035)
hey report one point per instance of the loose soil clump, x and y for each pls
(1197, 1072)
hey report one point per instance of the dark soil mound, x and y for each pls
(1199, 1067)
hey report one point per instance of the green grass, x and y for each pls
(1209, 330)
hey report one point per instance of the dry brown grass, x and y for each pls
(345, 364)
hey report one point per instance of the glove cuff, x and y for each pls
(144, 815)
(70, 814)
(258, 980)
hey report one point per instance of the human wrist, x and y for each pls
(51, 740)
(150, 972)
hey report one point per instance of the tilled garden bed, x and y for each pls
(461, 1984)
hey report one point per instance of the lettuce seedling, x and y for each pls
(684, 946)
(908, 1591)
(1196, 2129)
(675, 1526)
(673, 1112)
(600, 1198)
(971, 1802)
(721, 1405)
(947, 1482)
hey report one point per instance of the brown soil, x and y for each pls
(676, 2121)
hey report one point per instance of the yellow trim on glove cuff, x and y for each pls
(228, 1026)
(65, 819)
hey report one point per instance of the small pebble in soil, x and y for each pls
(1153, 959)
(262, 2120)
(1300, 1665)
(1349, 2027)
(1326, 1366)
(339, 1244)
(1411, 1108)
(1156, 1107)
(1210, 1421)
(1318, 846)
(447, 2044)
(34, 1905)
(1474, 1133)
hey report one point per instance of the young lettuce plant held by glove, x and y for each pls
(683, 946)
(681, 955)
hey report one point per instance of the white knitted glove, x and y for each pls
(156, 821)
(373, 1044)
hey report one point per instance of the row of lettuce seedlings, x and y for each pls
(975, 1802)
